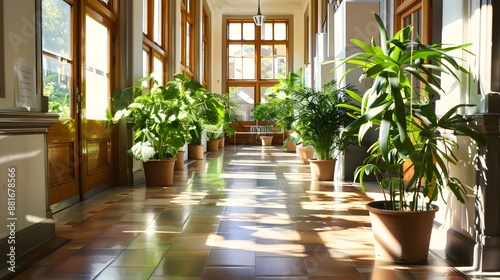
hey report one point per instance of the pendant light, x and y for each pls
(259, 18)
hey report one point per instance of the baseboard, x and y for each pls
(31, 244)
(459, 248)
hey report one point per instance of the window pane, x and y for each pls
(235, 67)
(145, 63)
(267, 31)
(266, 70)
(249, 50)
(249, 68)
(235, 50)
(157, 22)
(280, 50)
(280, 31)
(280, 69)
(158, 70)
(265, 92)
(145, 16)
(188, 44)
(97, 72)
(248, 31)
(57, 85)
(234, 31)
(244, 97)
(56, 27)
(266, 50)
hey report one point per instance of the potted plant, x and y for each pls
(206, 111)
(229, 116)
(283, 91)
(214, 135)
(160, 126)
(267, 113)
(319, 121)
(410, 159)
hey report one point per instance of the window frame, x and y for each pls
(149, 45)
(188, 18)
(257, 83)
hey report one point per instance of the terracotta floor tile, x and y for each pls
(187, 266)
(126, 272)
(139, 257)
(80, 266)
(280, 266)
(245, 212)
(229, 273)
(231, 258)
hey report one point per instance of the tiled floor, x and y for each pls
(246, 212)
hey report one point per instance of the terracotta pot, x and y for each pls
(290, 146)
(213, 145)
(222, 142)
(266, 140)
(322, 170)
(306, 153)
(159, 172)
(401, 236)
(179, 163)
(195, 151)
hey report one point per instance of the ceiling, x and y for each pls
(250, 6)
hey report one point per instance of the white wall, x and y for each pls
(461, 15)
(249, 9)
(26, 154)
(20, 50)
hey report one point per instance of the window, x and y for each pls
(187, 38)
(57, 56)
(256, 58)
(155, 38)
(418, 14)
(205, 52)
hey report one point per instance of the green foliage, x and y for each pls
(319, 120)
(58, 95)
(283, 92)
(206, 111)
(162, 115)
(266, 111)
(407, 123)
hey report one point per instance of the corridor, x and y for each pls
(245, 212)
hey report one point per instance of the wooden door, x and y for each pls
(59, 64)
(96, 145)
(78, 81)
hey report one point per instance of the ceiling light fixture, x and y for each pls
(259, 18)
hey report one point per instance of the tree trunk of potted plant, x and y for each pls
(322, 170)
(159, 172)
(401, 236)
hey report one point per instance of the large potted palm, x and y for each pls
(283, 92)
(160, 126)
(410, 159)
(319, 121)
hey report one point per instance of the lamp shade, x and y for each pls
(259, 19)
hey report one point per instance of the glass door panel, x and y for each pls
(96, 70)
(96, 169)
